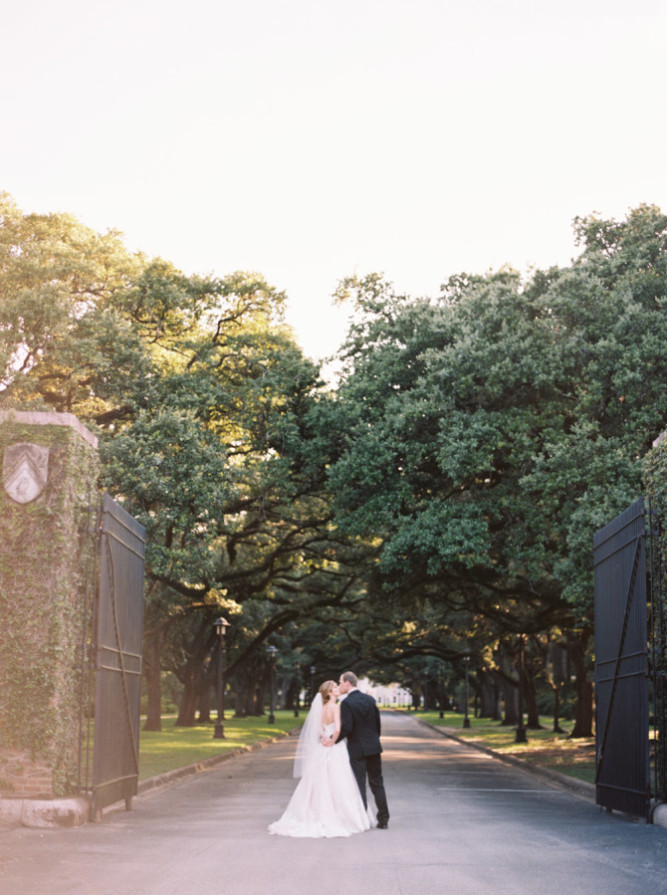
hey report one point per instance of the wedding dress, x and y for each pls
(326, 801)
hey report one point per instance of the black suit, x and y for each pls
(360, 726)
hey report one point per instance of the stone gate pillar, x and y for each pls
(49, 477)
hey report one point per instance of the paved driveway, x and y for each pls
(462, 822)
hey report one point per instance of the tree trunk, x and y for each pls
(262, 694)
(152, 671)
(244, 694)
(556, 691)
(556, 675)
(192, 673)
(240, 705)
(531, 669)
(509, 693)
(284, 692)
(189, 700)
(204, 708)
(192, 678)
(488, 696)
(289, 693)
(530, 700)
(583, 717)
(209, 686)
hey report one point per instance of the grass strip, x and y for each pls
(543, 747)
(177, 747)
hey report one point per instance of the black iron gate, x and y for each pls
(621, 665)
(117, 639)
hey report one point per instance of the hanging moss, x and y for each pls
(45, 551)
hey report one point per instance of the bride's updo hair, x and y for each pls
(325, 690)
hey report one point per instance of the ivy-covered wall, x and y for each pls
(655, 471)
(45, 566)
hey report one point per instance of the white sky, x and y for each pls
(310, 140)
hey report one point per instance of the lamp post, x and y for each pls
(272, 650)
(312, 682)
(221, 624)
(297, 689)
(521, 730)
(466, 663)
(441, 688)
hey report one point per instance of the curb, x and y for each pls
(188, 770)
(75, 811)
(72, 812)
(659, 816)
(44, 813)
(581, 787)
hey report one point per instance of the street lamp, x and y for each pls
(521, 730)
(221, 624)
(312, 682)
(441, 688)
(297, 689)
(272, 650)
(466, 663)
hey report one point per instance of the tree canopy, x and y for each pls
(439, 502)
(490, 431)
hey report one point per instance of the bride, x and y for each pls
(326, 801)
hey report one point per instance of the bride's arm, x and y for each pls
(331, 738)
(336, 733)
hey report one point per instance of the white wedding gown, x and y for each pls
(326, 801)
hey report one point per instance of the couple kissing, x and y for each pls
(339, 750)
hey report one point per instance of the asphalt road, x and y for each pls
(461, 822)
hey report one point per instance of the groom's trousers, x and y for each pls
(371, 765)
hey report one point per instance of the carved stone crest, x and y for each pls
(25, 471)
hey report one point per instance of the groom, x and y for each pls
(360, 725)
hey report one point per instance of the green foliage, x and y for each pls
(445, 496)
(202, 400)
(63, 346)
(490, 432)
(655, 477)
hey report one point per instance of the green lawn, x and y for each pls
(176, 747)
(555, 751)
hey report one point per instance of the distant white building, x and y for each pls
(389, 696)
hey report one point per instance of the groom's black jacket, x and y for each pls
(360, 724)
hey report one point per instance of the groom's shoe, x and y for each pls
(382, 825)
